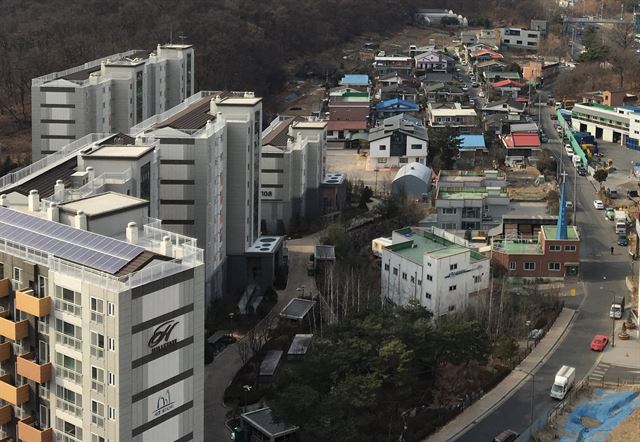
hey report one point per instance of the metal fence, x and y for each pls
(550, 418)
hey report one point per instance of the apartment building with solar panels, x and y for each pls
(108, 95)
(101, 308)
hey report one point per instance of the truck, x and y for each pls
(617, 307)
(563, 382)
(621, 221)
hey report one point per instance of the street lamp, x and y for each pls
(376, 169)
(533, 386)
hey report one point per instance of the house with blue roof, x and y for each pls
(394, 106)
(361, 80)
(472, 147)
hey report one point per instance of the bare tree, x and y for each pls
(244, 350)
(621, 36)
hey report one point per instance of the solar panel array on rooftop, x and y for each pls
(75, 245)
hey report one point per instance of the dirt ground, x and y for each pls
(628, 430)
(522, 185)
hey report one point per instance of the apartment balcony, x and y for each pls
(12, 394)
(5, 287)
(6, 414)
(28, 366)
(28, 431)
(13, 330)
(29, 303)
(5, 351)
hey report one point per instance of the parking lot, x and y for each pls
(623, 158)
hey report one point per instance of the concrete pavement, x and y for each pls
(220, 373)
(494, 398)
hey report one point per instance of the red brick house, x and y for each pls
(541, 257)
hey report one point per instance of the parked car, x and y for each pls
(465, 88)
(609, 213)
(476, 84)
(544, 138)
(568, 149)
(598, 204)
(623, 240)
(582, 171)
(599, 342)
(506, 436)
(632, 194)
(481, 94)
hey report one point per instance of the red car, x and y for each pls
(599, 342)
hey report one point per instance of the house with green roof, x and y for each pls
(443, 275)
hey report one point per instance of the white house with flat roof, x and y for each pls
(443, 276)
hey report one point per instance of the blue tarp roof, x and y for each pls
(355, 79)
(397, 104)
(472, 142)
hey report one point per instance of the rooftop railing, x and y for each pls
(73, 147)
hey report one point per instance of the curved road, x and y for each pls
(603, 276)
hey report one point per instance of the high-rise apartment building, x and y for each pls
(209, 154)
(108, 95)
(101, 316)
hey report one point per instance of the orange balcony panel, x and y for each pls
(12, 394)
(28, 367)
(13, 330)
(5, 351)
(28, 432)
(5, 287)
(6, 414)
(29, 303)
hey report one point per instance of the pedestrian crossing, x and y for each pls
(598, 373)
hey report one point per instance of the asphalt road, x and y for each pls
(603, 276)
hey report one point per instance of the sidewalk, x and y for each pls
(494, 398)
(626, 353)
(219, 374)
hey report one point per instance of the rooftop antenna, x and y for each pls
(170, 34)
(182, 38)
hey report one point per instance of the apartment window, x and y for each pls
(97, 413)
(69, 401)
(477, 279)
(404, 160)
(68, 368)
(111, 344)
(386, 267)
(382, 160)
(569, 248)
(383, 147)
(68, 334)
(97, 345)
(413, 280)
(529, 266)
(452, 308)
(112, 378)
(452, 288)
(1, 270)
(17, 274)
(111, 309)
(429, 278)
(68, 429)
(453, 266)
(96, 438)
(395, 271)
(449, 211)
(404, 276)
(555, 248)
(42, 286)
(427, 295)
(97, 379)
(68, 301)
(112, 413)
(419, 282)
(554, 266)
(145, 181)
(97, 310)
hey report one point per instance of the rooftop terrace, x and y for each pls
(423, 243)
